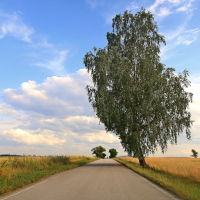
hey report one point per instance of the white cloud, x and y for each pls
(46, 54)
(43, 44)
(153, 7)
(12, 25)
(132, 6)
(179, 150)
(82, 124)
(172, 34)
(182, 9)
(193, 31)
(187, 7)
(164, 12)
(188, 36)
(180, 35)
(8, 110)
(66, 94)
(57, 112)
(183, 40)
(56, 65)
(22, 136)
(177, 38)
(101, 137)
(175, 1)
(158, 9)
(59, 107)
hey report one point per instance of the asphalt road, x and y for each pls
(104, 179)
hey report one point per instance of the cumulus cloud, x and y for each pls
(8, 110)
(57, 113)
(101, 137)
(23, 136)
(12, 25)
(66, 94)
(83, 124)
(56, 110)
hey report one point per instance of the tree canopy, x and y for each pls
(98, 151)
(194, 153)
(113, 153)
(133, 94)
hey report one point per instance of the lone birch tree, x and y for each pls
(133, 94)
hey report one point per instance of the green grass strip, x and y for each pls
(184, 188)
(22, 179)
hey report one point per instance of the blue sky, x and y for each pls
(43, 102)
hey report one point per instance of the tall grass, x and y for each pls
(17, 172)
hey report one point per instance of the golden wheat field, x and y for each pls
(182, 167)
(14, 165)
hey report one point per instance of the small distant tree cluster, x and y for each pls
(98, 151)
(194, 153)
(113, 153)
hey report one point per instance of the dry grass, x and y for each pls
(10, 166)
(178, 175)
(182, 167)
(16, 172)
(76, 158)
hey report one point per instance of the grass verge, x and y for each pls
(183, 187)
(25, 177)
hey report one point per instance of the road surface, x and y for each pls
(104, 179)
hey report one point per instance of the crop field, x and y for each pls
(16, 172)
(178, 175)
(182, 167)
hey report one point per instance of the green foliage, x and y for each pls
(194, 153)
(99, 152)
(133, 94)
(103, 155)
(113, 153)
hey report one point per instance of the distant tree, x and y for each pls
(113, 153)
(103, 155)
(133, 94)
(99, 152)
(194, 153)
